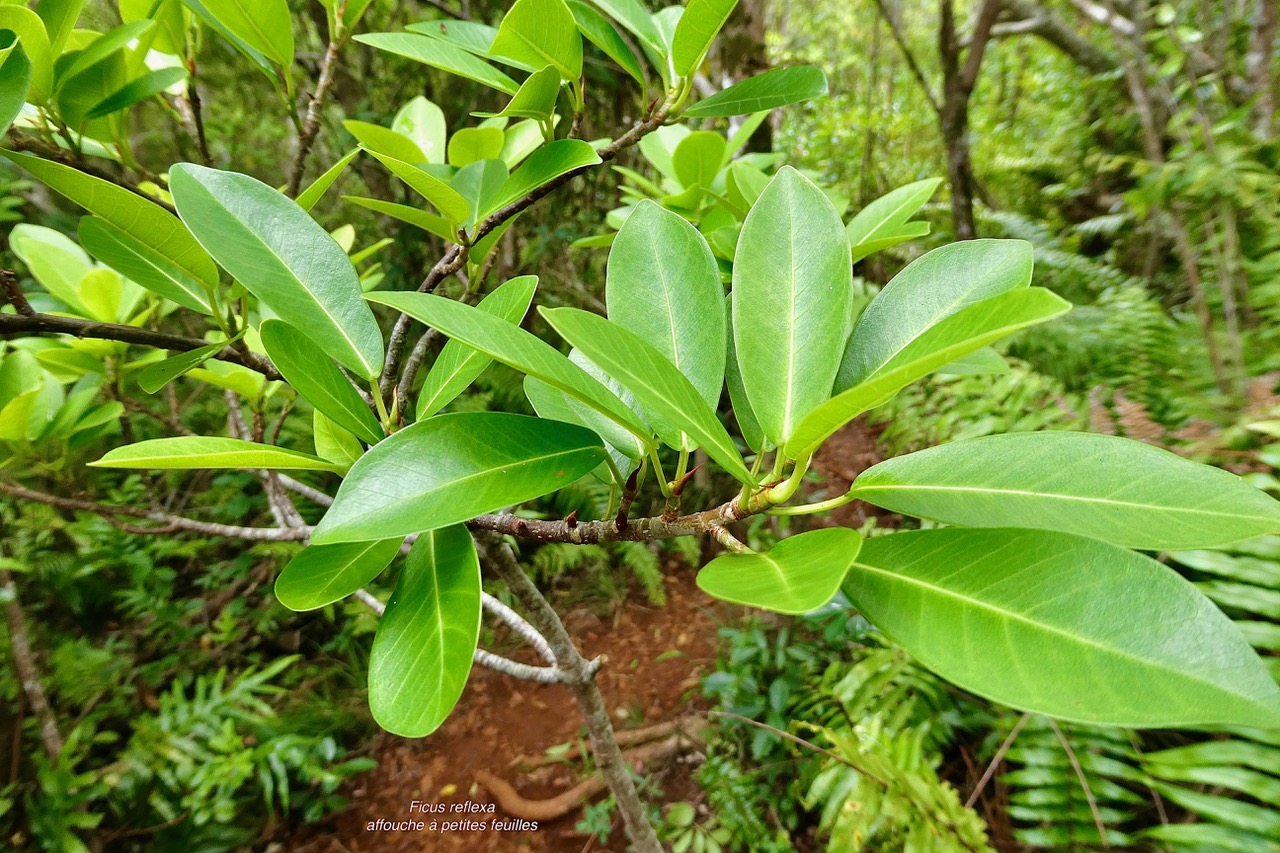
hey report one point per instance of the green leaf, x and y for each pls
(800, 574)
(536, 99)
(59, 17)
(423, 122)
(377, 139)
(541, 32)
(602, 34)
(544, 165)
(982, 362)
(458, 365)
(136, 91)
(791, 298)
(155, 376)
(169, 36)
(698, 157)
(928, 291)
(307, 198)
(264, 25)
(306, 367)
(442, 55)
(635, 18)
(416, 217)
(658, 385)
(663, 284)
(473, 144)
(322, 574)
(31, 33)
(54, 260)
(1110, 488)
(333, 442)
(165, 240)
(479, 182)
(509, 344)
(283, 257)
(444, 197)
(74, 64)
(185, 452)
(884, 222)
(472, 36)
(422, 653)
(15, 81)
(767, 91)
(701, 22)
(748, 423)
(142, 264)
(970, 329)
(1062, 625)
(451, 468)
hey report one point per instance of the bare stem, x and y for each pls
(24, 663)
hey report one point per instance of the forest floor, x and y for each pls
(655, 660)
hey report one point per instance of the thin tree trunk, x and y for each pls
(24, 664)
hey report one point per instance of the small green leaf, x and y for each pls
(478, 182)
(444, 197)
(635, 18)
(333, 442)
(264, 25)
(791, 299)
(458, 365)
(15, 81)
(451, 468)
(1109, 488)
(602, 34)
(377, 139)
(421, 656)
(307, 198)
(543, 166)
(1062, 625)
(698, 157)
(536, 99)
(416, 217)
(800, 574)
(322, 574)
(423, 122)
(541, 32)
(442, 55)
(98, 50)
(136, 91)
(155, 376)
(767, 91)
(306, 367)
(283, 257)
(473, 144)
(701, 22)
(885, 222)
(185, 452)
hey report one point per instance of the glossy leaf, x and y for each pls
(165, 240)
(185, 452)
(1062, 625)
(333, 442)
(635, 18)
(444, 197)
(969, 329)
(886, 221)
(791, 294)
(59, 17)
(698, 27)
(35, 44)
(657, 384)
(142, 264)
(423, 122)
(766, 91)
(662, 283)
(1110, 488)
(698, 157)
(313, 375)
(536, 99)
(541, 32)
(458, 365)
(307, 198)
(451, 468)
(929, 290)
(544, 165)
(442, 55)
(509, 344)
(597, 30)
(801, 573)
(265, 25)
(283, 257)
(15, 81)
(422, 652)
(137, 90)
(322, 574)
(98, 50)
(473, 144)
(478, 183)
(153, 377)
(377, 139)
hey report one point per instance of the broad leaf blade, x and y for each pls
(800, 574)
(143, 264)
(322, 574)
(1110, 488)
(422, 653)
(881, 224)
(442, 55)
(766, 91)
(791, 296)
(1062, 625)
(188, 452)
(698, 27)
(544, 165)
(283, 257)
(538, 33)
(451, 468)
(264, 25)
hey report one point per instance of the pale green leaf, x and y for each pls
(541, 32)
(698, 27)
(799, 574)
(185, 452)
(767, 91)
(442, 55)
(322, 574)
(543, 166)
(445, 198)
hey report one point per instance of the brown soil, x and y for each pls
(655, 657)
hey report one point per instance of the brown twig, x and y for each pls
(311, 124)
(24, 664)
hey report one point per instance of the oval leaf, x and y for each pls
(442, 55)
(766, 91)
(701, 21)
(1062, 625)
(543, 166)
(800, 574)
(538, 33)
(322, 574)
(187, 452)
(884, 222)
(452, 468)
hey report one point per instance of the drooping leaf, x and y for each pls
(536, 99)
(544, 165)
(422, 652)
(1062, 625)
(509, 344)
(698, 27)
(442, 55)
(137, 90)
(791, 294)
(444, 197)
(308, 369)
(184, 452)
(967, 330)
(886, 221)
(662, 283)
(165, 240)
(541, 32)
(458, 365)
(597, 30)
(657, 384)
(767, 91)
(142, 264)
(322, 574)
(1109, 488)
(450, 468)
(283, 257)
(153, 377)
(800, 573)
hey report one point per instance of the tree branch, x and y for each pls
(515, 622)
(24, 664)
(610, 530)
(311, 125)
(898, 39)
(1044, 22)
